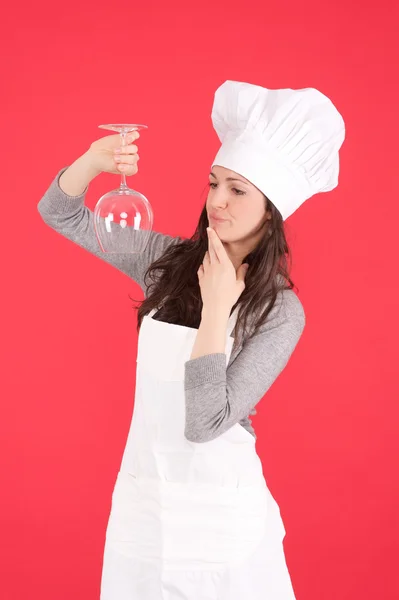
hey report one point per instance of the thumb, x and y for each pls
(242, 271)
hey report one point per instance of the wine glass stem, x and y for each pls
(123, 176)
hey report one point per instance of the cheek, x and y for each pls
(244, 216)
(247, 219)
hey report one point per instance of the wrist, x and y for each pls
(216, 312)
(87, 164)
(75, 180)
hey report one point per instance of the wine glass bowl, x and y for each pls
(123, 217)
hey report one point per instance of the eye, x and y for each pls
(235, 190)
(239, 192)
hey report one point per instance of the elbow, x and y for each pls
(196, 436)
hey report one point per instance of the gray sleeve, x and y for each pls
(69, 216)
(218, 397)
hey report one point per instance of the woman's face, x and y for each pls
(241, 204)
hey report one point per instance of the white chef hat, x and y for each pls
(284, 141)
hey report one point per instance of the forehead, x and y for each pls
(223, 173)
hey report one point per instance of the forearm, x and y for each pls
(220, 393)
(77, 176)
(211, 336)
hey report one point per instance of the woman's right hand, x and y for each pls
(103, 158)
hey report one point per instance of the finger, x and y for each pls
(212, 254)
(129, 138)
(128, 169)
(130, 149)
(130, 159)
(117, 141)
(207, 260)
(216, 243)
(218, 249)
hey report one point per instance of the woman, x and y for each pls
(192, 517)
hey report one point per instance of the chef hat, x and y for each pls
(285, 141)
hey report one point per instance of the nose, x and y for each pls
(216, 200)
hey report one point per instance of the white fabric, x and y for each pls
(284, 141)
(188, 521)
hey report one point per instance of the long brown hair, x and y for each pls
(175, 288)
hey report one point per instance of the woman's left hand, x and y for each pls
(220, 284)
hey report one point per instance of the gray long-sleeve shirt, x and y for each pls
(217, 397)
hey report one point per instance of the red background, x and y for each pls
(327, 429)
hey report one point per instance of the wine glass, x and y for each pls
(123, 218)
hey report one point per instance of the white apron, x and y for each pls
(189, 521)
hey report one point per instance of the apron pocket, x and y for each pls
(186, 526)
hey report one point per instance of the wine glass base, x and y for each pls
(123, 127)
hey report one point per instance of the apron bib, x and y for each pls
(186, 516)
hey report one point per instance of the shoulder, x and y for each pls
(287, 315)
(288, 304)
(291, 305)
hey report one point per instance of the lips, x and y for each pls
(215, 218)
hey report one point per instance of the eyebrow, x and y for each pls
(231, 179)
